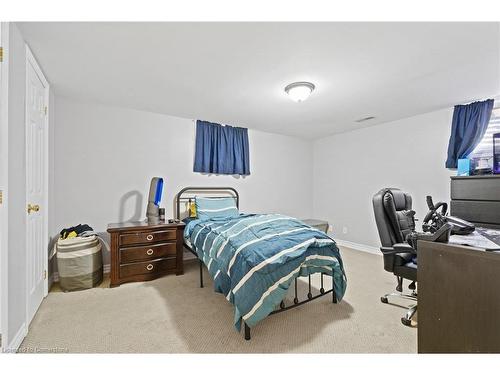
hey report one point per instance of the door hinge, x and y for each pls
(1, 54)
(45, 109)
(45, 274)
(1, 196)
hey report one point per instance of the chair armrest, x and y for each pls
(398, 248)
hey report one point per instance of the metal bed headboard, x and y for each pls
(192, 190)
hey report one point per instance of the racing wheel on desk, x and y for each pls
(435, 219)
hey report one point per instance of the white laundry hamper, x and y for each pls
(79, 262)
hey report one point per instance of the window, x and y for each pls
(485, 148)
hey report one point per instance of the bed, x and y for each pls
(254, 259)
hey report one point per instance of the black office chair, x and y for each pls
(395, 220)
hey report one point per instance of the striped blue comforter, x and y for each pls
(253, 259)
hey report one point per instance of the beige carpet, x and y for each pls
(174, 315)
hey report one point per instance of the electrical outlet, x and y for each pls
(344, 230)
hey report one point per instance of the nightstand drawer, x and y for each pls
(147, 237)
(133, 254)
(142, 268)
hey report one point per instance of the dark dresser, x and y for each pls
(141, 252)
(476, 199)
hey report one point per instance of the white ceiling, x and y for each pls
(234, 73)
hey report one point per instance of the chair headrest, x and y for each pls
(393, 216)
(400, 199)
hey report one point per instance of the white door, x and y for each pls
(36, 185)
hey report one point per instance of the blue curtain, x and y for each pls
(221, 149)
(467, 129)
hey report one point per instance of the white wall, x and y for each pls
(106, 156)
(51, 225)
(349, 168)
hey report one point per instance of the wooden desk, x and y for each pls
(458, 299)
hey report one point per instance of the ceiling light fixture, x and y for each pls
(299, 91)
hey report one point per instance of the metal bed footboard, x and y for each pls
(282, 306)
(296, 302)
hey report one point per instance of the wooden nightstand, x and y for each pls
(141, 252)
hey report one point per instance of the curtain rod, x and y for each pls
(496, 99)
(193, 120)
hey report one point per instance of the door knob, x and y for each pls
(33, 208)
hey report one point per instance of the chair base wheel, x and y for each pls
(384, 300)
(406, 322)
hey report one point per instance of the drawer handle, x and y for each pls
(149, 267)
(149, 252)
(149, 237)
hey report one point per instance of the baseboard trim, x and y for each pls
(359, 246)
(14, 345)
